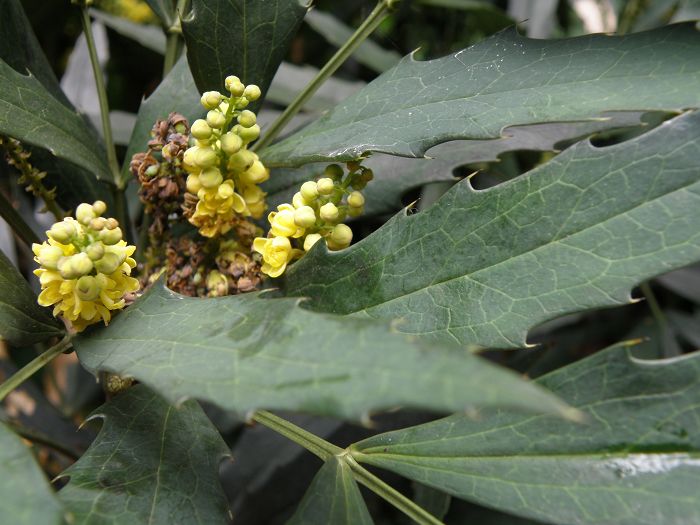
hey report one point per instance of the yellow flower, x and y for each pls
(216, 208)
(84, 280)
(277, 252)
(282, 222)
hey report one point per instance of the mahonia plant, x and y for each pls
(85, 267)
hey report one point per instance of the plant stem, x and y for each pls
(656, 311)
(314, 444)
(102, 97)
(41, 439)
(325, 450)
(368, 26)
(34, 366)
(174, 43)
(388, 493)
(16, 222)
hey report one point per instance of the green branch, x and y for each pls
(325, 450)
(378, 14)
(34, 366)
(174, 43)
(16, 222)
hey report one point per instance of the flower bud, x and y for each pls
(201, 130)
(305, 216)
(242, 103)
(231, 82)
(152, 170)
(237, 89)
(99, 207)
(111, 223)
(49, 256)
(62, 232)
(325, 186)
(341, 235)
(298, 200)
(108, 264)
(253, 195)
(309, 191)
(334, 171)
(252, 92)
(356, 212)
(242, 160)
(247, 119)
(193, 184)
(310, 240)
(210, 178)
(75, 266)
(225, 191)
(205, 158)
(211, 99)
(231, 143)
(356, 199)
(256, 174)
(84, 213)
(249, 134)
(95, 251)
(87, 288)
(98, 223)
(215, 119)
(329, 212)
(110, 237)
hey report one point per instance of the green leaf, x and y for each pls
(176, 92)
(26, 497)
(165, 9)
(22, 320)
(394, 176)
(505, 80)
(151, 463)
(483, 267)
(333, 497)
(246, 38)
(246, 352)
(635, 461)
(29, 113)
(369, 53)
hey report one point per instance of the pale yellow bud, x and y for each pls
(211, 99)
(310, 240)
(256, 174)
(95, 251)
(252, 92)
(62, 232)
(110, 237)
(305, 216)
(309, 191)
(247, 119)
(84, 213)
(231, 143)
(111, 223)
(205, 158)
(200, 129)
(98, 223)
(49, 256)
(108, 264)
(298, 200)
(341, 235)
(87, 288)
(325, 186)
(215, 119)
(356, 199)
(75, 266)
(249, 134)
(99, 207)
(193, 184)
(329, 212)
(210, 178)
(242, 160)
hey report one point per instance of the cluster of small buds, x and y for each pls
(85, 267)
(317, 212)
(223, 173)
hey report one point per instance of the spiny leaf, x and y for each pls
(31, 114)
(246, 38)
(22, 320)
(151, 463)
(483, 267)
(333, 497)
(635, 462)
(394, 176)
(505, 80)
(26, 497)
(246, 352)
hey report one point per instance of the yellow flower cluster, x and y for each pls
(85, 267)
(223, 173)
(316, 213)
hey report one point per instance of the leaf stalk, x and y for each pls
(34, 366)
(314, 444)
(16, 222)
(376, 17)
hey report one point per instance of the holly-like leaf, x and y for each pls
(31, 114)
(22, 320)
(246, 38)
(176, 92)
(246, 352)
(151, 463)
(505, 80)
(333, 497)
(26, 497)
(394, 176)
(483, 267)
(636, 461)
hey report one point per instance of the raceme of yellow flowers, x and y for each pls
(317, 212)
(85, 267)
(223, 173)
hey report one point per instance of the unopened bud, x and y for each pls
(111, 223)
(356, 199)
(247, 119)
(98, 223)
(210, 178)
(75, 266)
(211, 99)
(201, 130)
(325, 186)
(242, 160)
(249, 134)
(205, 158)
(256, 174)
(62, 232)
(215, 119)
(305, 216)
(310, 240)
(110, 237)
(252, 92)
(193, 184)
(341, 235)
(329, 212)
(298, 200)
(84, 213)
(95, 251)
(309, 191)
(108, 264)
(49, 256)
(87, 288)
(231, 143)
(99, 207)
